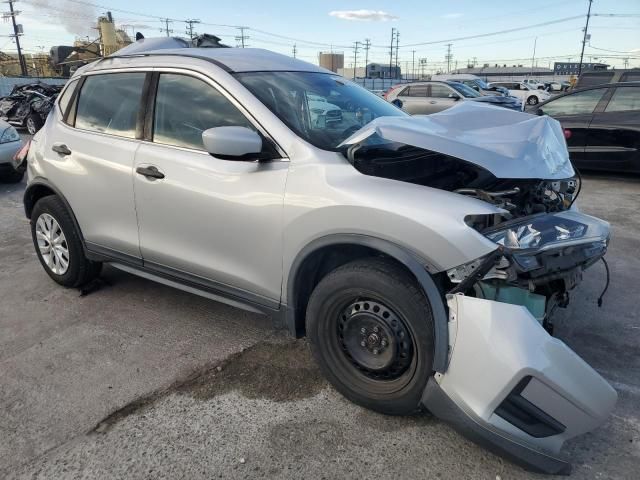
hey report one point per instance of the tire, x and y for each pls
(79, 270)
(33, 123)
(342, 315)
(532, 100)
(8, 174)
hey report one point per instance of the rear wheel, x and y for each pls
(532, 100)
(33, 123)
(370, 328)
(58, 244)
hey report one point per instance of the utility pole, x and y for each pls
(240, 39)
(423, 64)
(393, 37)
(448, 57)
(533, 58)
(355, 58)
(397, 64)
(190, 23)
(17, 31)
(413, 65)
(367, 46)
(295, 50)
(584, 38)
(166, 29)
(475, 61)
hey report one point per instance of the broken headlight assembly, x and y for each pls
(526, 238)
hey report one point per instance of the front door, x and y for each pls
(214, 221)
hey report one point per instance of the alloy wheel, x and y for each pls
(52, 244)
(31, 126)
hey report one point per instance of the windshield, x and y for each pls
(482, 84)
(323, 109)
(464, 90)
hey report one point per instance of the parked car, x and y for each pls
(533, 83)
(598, 77)
(421, 257)
(602, 125)
(525, 92)
(9, 145)
(557, 86)
(430, 97)
(472, 81)
(323, 111)
(27, 106)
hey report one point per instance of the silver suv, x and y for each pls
(422, 257)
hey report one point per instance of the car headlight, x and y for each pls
(9, 135)
(317, 111)
(548, 231)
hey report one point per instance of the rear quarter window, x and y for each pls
(65, 98)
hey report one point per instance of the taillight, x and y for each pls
(567, 133)
(21, 154)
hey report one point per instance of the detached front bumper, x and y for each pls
(513, 388)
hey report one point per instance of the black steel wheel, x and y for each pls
(371, 330)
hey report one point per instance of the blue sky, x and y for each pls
(317, 25)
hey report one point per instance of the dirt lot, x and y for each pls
(137, 380)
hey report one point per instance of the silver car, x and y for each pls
(424, 98)
(10, 144)
(421, 256)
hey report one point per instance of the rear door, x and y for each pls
(575, 111)
(90, 156)
(614, 134)
(414, 99)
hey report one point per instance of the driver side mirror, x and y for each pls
(539, 112)
(453, 96)
(232, 143)
(476, 88)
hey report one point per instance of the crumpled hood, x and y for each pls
(495, 99)
(507, 143)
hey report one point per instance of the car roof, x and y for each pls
(229, 59)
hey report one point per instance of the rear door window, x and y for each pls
(580, 103)
(109, 103)
(440, 91)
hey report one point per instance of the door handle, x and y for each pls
(433, 102)
(150, 172)
(61, 148)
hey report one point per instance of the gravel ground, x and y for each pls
(137, 380)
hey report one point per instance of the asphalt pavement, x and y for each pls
(137, 380)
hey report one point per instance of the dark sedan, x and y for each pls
(602, 125)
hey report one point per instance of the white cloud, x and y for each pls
(452, 15)
(363, 15)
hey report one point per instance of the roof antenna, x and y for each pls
(139, 36)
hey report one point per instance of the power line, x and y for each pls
(501, 32)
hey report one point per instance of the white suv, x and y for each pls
(422, 256)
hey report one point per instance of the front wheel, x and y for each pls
(370, 328)
(532, 100)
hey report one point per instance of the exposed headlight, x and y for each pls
(547, 231)
(9, 135)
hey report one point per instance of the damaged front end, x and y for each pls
(509, 385)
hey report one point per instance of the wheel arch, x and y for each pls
(40, 188)
(322, 255)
